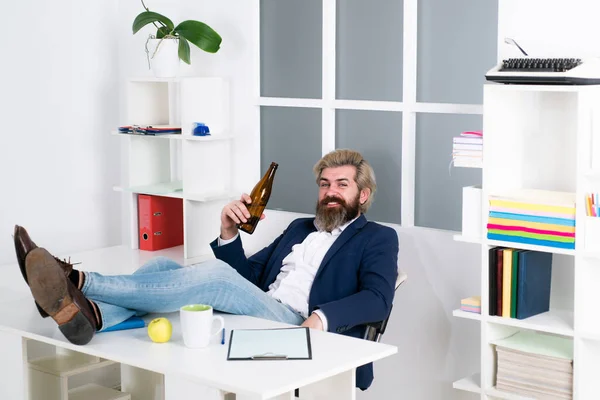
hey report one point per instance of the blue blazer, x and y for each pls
(354, 284)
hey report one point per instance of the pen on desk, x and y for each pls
(223, 336)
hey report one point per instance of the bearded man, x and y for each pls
(335, 272)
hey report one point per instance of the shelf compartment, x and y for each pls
(592, 174)
(587, 365)
(97, 392)
(469, 384)
(559, 322)
(467, 315)
(65, 365)
(591, 234)
(148, 102)
(587, 280)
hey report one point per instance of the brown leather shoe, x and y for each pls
(59, 298)
(23, 245)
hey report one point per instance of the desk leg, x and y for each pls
(142, 384)
(338, 387)
(13, 369)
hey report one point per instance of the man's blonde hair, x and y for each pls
(365, 176)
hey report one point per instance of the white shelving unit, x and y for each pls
(59, 374)
(195, 169)
(544, 137)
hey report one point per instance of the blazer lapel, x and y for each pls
(346, 235)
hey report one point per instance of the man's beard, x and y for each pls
(329, 218)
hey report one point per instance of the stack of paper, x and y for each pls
(467, 150)
(535, 365)
(471, 304)
(539, 217)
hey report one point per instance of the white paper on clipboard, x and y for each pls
(270, 344)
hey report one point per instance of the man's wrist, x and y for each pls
(223, 242)
(228, 234)
(323, 319)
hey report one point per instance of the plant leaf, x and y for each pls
(162, 32)
(184, 50)
(200, 34)
(148, 17)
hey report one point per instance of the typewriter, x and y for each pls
(546, 71)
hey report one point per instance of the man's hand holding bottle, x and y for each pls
(233, 214)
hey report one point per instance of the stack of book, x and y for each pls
(471, 304)
(467, 150)
(538, 217)
(519, 282)
(535, 365)
(150, 130)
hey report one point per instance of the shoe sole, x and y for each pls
(58, 297)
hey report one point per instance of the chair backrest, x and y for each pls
(375, 330)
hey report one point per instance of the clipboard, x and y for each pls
(270, 344)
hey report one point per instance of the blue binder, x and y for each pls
(534, 279)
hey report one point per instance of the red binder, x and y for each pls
(160, 222)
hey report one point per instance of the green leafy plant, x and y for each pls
(190, 31)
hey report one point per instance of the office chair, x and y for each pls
(375, 330)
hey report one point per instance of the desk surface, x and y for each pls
(332, 353)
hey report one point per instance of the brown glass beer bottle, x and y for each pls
(260, 196)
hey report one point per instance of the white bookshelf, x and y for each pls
(59, 374)
(195, 169)
(543, 137)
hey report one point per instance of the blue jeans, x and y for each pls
(162, 286)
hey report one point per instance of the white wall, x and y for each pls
(57, 162)
(550, 28)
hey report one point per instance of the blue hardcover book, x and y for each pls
(131, 323)
(534, 278)
(526, 240)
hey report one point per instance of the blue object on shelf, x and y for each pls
(200, 129)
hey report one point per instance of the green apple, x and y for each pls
(160, 330)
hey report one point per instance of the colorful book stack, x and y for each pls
(535, 365)
(471, 304)
(467, 150)
(538, 217)
(519, 282)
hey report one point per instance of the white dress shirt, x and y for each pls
(294, 281)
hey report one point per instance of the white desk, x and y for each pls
(152, 371)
